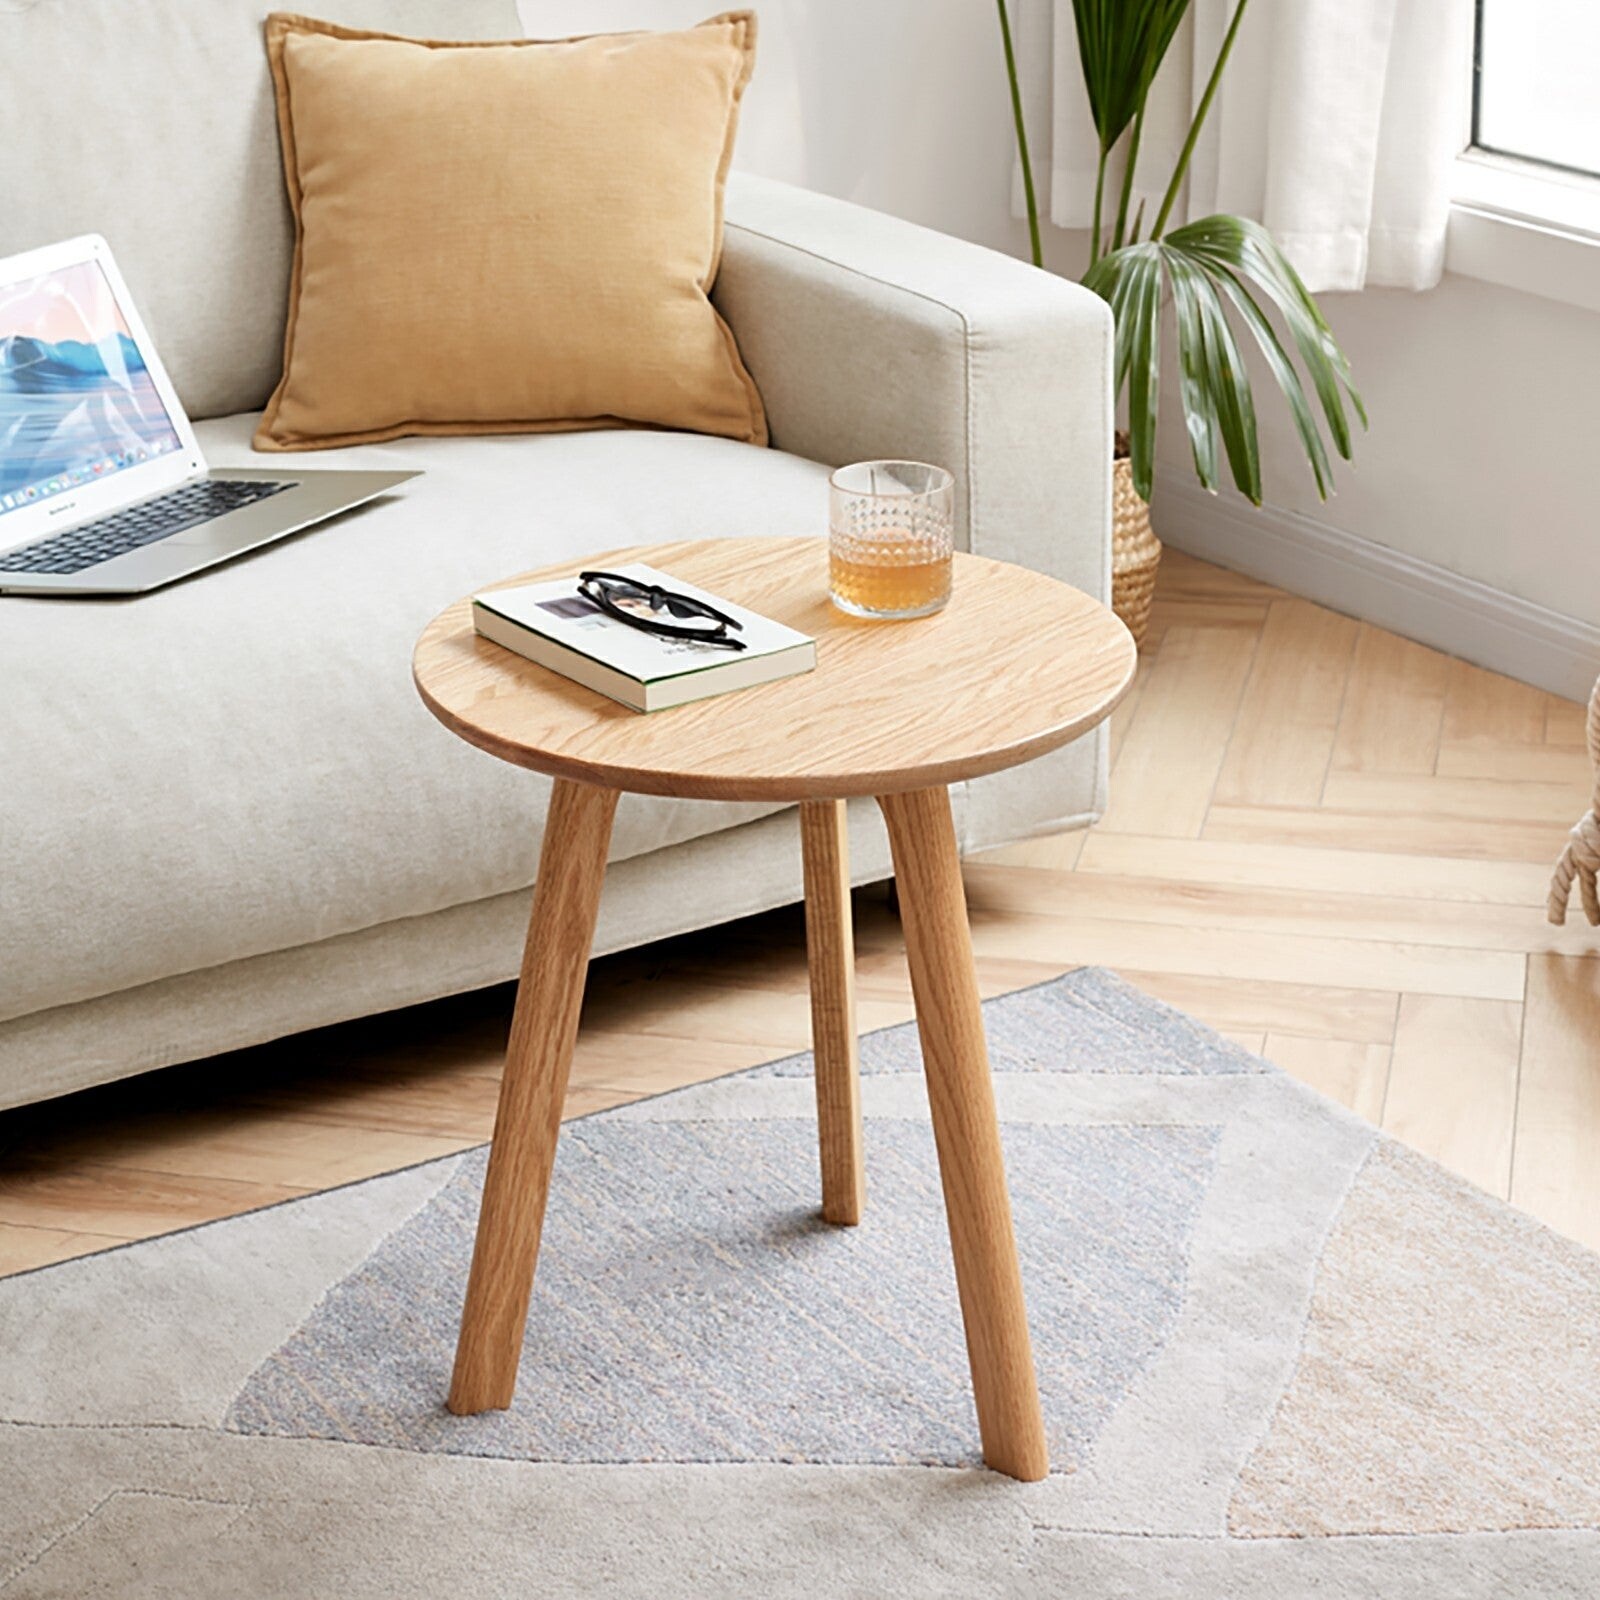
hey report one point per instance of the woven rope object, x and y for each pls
(1581, 859)
(1135, 551)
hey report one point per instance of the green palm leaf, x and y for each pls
(1122, 44)
(1283, 370)
(1211, 266)
(1245, 248)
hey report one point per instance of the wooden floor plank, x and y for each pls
(1347, 1070)
(1481, 757)
(1255, 1043)
(1261, 1006)
(1288, 717)
(126, 1202)
(1247, 615)
(1453, 1084)
(649, 1073)
(721, 1013)
(1057, 851)
(584, 1100)
(1555, 1169)
(1224, 953)
(23, 1248)
(1565, 722)
(1473, 799)
(1128, 708)
(252, 1146)
(1471, 838)
(1184, 577)
(449, 1105)
(1167, 765)
(1393, 707)
(1208, 907)
(1312, 867)
(1489, 708)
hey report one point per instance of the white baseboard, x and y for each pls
(1430, 604)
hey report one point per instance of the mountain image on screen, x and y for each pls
(77, 401)
(37, 366)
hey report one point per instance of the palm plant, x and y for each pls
(1205, 268)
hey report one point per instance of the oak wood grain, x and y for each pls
(1261, 863)
(1169, 757)
(1393, 705)
(1017, 664)
(122, 1200)
(1350, 963)
(1316, 913)
(1453, 1084)
(1283, 737)
(572, 864)
(1554, 1170)
(23, 1248)
(1418, 832)
(1261, 1006)
(830, 955)
(1565, 723)
(1353, 1072)
(1484, 707)
(966, 1132)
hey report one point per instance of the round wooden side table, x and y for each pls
(1016, 664)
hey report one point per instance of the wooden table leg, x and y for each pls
(830, 953)
(544, 1027)
(956, 1060)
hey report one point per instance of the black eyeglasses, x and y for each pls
(640, 606)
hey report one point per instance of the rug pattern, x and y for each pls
(1279, 1354)
(693, 1307)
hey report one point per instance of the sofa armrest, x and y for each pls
(872, 338)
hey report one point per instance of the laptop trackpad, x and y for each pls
(224, 534)
(143, 569)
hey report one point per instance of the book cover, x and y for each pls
(553, 624)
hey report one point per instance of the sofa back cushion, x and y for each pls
(152, 122)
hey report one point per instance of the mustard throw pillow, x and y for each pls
(509, 237)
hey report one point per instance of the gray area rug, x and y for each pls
(1278, 1355)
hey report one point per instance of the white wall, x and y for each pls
(897, 104)
(1484, 450)
(1485, 402)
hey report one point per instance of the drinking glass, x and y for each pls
(891, 536)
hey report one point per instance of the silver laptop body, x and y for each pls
(103, 487)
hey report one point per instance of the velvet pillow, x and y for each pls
(512, 237)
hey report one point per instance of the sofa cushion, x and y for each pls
(517, 237)
(193, 204)
(240, 763)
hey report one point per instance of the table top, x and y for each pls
(1015, 665)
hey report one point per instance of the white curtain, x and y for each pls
(1336, 126)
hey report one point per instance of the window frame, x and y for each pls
(1475, 141)
(1520, 221)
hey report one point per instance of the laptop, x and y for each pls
(103, 489)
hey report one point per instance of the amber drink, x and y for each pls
(891, 534)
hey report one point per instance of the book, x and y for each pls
(554, 625)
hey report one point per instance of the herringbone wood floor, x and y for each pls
(1329, 842)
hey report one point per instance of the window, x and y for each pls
(1525, 209)
(1536, 94)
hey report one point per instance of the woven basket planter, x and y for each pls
(1135, 551)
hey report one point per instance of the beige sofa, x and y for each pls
(224, 814)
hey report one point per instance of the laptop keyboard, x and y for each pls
(121, 531)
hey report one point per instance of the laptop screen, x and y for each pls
(77, 403)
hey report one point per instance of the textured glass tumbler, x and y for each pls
(891, 534)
